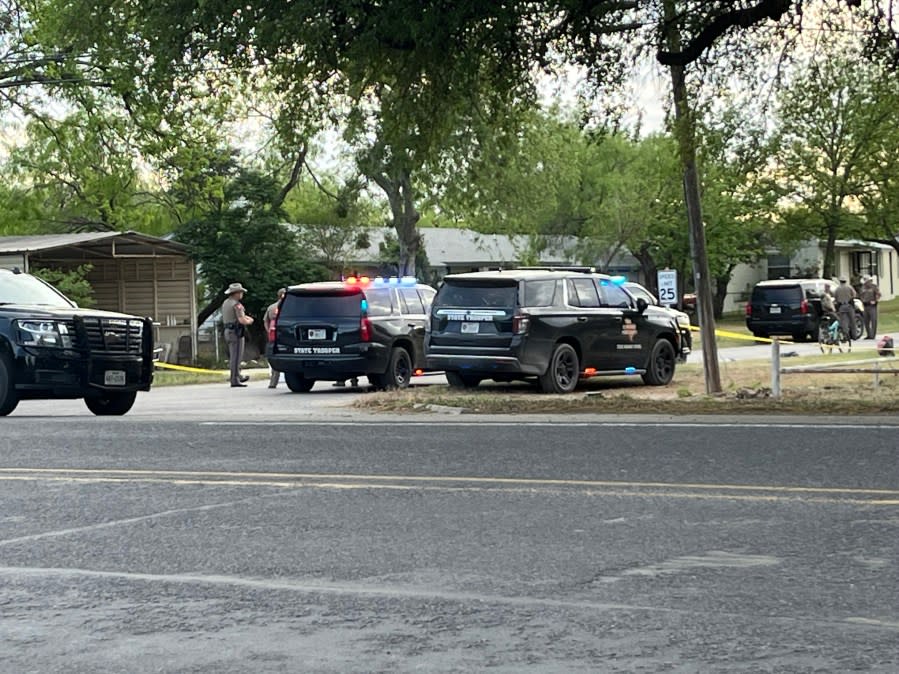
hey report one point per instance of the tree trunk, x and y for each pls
(649, 269)
(830, 255)
(210, 308)
(685, 131)
(401, 198)
(721, 283)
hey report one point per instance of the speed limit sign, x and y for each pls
(667, 287)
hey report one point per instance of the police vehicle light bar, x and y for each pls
(389, 281)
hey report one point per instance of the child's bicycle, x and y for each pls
(832, 336)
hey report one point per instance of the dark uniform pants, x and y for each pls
(871, 320)
(235, 354)
(846, 314)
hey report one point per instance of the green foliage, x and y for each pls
(833, 119)
(332, 222)
(72, 283)
(246, 240)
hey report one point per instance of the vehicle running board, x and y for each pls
(590, 372)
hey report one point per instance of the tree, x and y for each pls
(80, 174)
(332, 223)
(245, 239)
(832, 120)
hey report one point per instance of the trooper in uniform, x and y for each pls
(235, 320)
(843, 296)
(269, 321)
(870, 296)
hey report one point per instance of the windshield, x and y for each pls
(26, 289)
(317, 306)
(640, 291)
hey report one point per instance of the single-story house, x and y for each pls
(130, 272)
(453, 250)
(854, 260)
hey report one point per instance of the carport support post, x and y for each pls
(775, 367)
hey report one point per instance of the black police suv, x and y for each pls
(555, 326)
(338, 330)
(49, 348)
(792, 307)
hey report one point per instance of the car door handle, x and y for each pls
(581, 319)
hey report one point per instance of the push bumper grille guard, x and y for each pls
(89, 341)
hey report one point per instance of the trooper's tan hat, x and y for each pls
(235, 288)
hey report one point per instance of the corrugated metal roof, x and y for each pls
(43, 242)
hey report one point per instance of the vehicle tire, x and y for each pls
(9, 397)
(297, 383)
(858, 326)
(458, 380)
(111, 403)
(660, 368)
(399, 371)
(563, 372)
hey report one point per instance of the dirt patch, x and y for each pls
(747, 390)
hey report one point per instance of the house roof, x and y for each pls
(106, 244)
(456, 246)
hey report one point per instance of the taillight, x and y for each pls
(520, 324)
(748, 309)
(803, 307)
(272, 330)
(365, 329)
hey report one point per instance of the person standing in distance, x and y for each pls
(843, 296)
(235, 318)
(870, 296)
(269, 321)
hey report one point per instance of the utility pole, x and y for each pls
(685, 129)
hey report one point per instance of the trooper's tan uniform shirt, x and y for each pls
(232, 309)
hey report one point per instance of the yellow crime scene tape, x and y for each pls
(185, 368)
(737, 335)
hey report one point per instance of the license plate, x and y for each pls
(316, 334)
(774, 310)
(114, 378)
(470, 328)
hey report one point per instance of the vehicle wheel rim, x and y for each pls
(402, 372)
(664, 364)
(565, 370)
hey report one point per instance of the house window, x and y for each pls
(864, 263)
(778, 267)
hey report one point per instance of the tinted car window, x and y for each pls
(614, 296)
(539, 293)
(379, 303)
(640, 291)
(477, 295)
(411, 301)
(305, 306)
(582, 292)
(777, 295)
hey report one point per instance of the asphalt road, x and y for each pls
(332, 541)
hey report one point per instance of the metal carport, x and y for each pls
(131, 272)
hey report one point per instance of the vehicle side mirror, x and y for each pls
(641, 305)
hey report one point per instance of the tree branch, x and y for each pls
(750, 16)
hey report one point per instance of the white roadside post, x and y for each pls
(775, 367)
